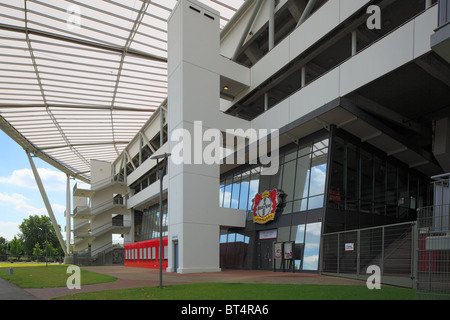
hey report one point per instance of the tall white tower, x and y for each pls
(194, 80)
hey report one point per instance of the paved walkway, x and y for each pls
(130, 277)
(9, 291)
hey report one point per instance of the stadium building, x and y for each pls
(348, 100)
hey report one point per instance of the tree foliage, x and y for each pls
(38, 230)
(3, 246)
(15, 247)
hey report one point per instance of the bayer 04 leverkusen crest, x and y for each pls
(265, 206)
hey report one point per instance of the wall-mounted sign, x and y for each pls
(265, 206)
(349, 247)
(268, 234)
(288, 250)
(278, 250)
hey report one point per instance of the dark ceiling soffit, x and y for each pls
(361, 114)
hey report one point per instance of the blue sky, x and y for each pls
(19, 194)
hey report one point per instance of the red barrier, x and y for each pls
(145, 254)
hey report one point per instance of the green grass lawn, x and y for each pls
(29, 265)
(241, 291)
(39, 276)
(28, 276)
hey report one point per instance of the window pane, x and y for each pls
(302, 177)
(403, 198)
(288, 180)
(320, 144)
(221, 192)
(318, 173)
(264, 183)
(287, 208)
(283, 234)
(337, 176)
(254, 185)
(235, 191)
(380, 186)
(223, 236)
(303, 151)
(227, 193)
(312, 246)
(298, 233)
(300, 205)
(243, 197)
(366, 181)
(290, 155)
(352, 195)
(315, 202)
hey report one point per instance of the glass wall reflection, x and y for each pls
(301, 177)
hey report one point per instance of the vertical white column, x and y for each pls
(68, 212)
(354, 42)
(271, 24)
(193, 201)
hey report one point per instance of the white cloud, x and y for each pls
(52, 180)
(9, 229)
(20, 203)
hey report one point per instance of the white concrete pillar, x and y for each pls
(193, 203)
(68, 212)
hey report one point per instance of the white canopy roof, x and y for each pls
(78, 79)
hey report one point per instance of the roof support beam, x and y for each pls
(306, 12)
(91, 44)
(247, 28)
(47, 204)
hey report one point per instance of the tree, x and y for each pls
(37, 251)
(3, 246)
(15, 247)
(37, 229)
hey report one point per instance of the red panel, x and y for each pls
(144, 254)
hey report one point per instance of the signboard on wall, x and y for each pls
(278, 250)
(288, 250)
(349, 247)
(268, 234)
(265, 206)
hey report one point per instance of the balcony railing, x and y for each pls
(444, 13)
(107, 182)
(109, 226)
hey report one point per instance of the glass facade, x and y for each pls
(302, 179)
(147, 223)
(364, 188)
(368, 188)
(330, 181)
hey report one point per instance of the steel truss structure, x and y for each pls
(78, 78)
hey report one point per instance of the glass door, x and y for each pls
(265, 254)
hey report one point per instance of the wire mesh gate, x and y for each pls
(391, 248)
(433, 279)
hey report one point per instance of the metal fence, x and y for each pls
(111, 256)
(25, 258)
(391, 248)
(433, 280)
(444, 13)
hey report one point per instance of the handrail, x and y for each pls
(444, 13)
(106, 204)
(104, 182)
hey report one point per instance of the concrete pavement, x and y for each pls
(9, 291)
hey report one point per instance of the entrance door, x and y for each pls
(265, 254)
(175, 256)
